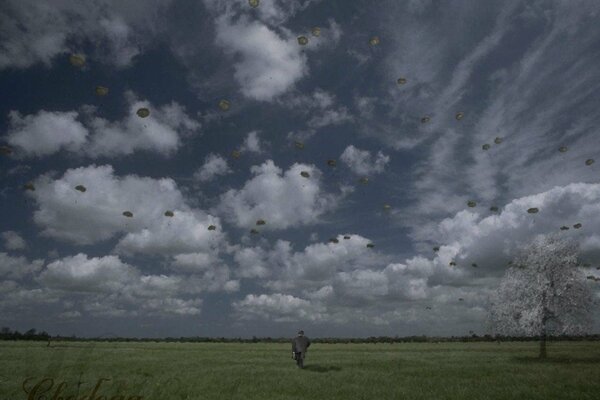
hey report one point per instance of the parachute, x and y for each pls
(143, 112)
(331, 163)
(485, 146)
(563, 149)
(128, 214)
(494, 209)
(589, 161)
(452, 263)
(169, 214)
(401, 81)
(374, 41)
(236, 154)
(425, 119)
(253, 231)
(224, 104)
(333, 240)
(260, 222)
(577, 226)
(29, 186)
(77, 60)
(81, 188)
(316, 31)
(460, 299)
(6, 150)
(428, 308)
(459, 116)
(370, 245)
(346, 237)
(436, 249)
(305, 174)
(474, 265)
(212, 227)
(564, 228)
(253, 3)
(498, 140)
(302, 40)
(387, 207)
(299, 145)
(364, 180)
(532, 210)
(471, 203)
(101, 91)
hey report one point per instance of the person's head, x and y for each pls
(300, 333)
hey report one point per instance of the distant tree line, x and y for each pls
(32, 334)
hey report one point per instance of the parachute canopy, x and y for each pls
(364, 180)
(370, 245)
(474, 265)
(6, 150)
(452, 263)
(128, 214)
(316, 31)
(564, 228)
(29, 186)
(212, 227)
(425, 119)
(77, 60)
(331, 163)
(253, 3)
(436, 248)
(428, 308)
(81, 188)
(563, 149)
(236, 154)
(101, 90)
(401, 81)
(302, 40)
(346, 237)
(498, 140)
(460, 299)
(494, 209)
(253, 231)
(305, 174)
(459, 116)
(299, 145)
(387, 207)
(169, 214)
(333, 240)
(577, 226)
(374, 41)
(471, 203)
(143, 112)
(260, 222)
(589, 161)
(532, 210)
(224, 104)
(485, 147)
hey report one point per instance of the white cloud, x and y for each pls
(278, 307)
(214, 165)
(282, 199)
(252, 143)
(18, 267)
(13, 241)
(269, 65)
(362, 162)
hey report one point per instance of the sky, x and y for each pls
(243, 122)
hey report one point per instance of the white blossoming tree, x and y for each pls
(543, 293)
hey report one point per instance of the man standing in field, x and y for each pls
(299, 346)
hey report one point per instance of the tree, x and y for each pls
(543, 293)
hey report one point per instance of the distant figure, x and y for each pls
(299, 346)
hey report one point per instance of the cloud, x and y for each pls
(214, 165)
(361, 162)
(252, 143)
(283, 199)
(268, 64)
(46, 132)
(13, 241)
(278, 307)
(18, 267)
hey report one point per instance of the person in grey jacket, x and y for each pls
(299, 346)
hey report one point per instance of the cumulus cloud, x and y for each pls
(283, 199)
(278, 307)
(214, 165)
(362, 162)
(13, 241)
(252, 143)
(18, 267)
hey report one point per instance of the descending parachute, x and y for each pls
(302, 40)
(316, 31)
(81, 188)
(589, 161)
(452, 263)
(346, 237)
(564, 228)
(471, 203)
(253, 231)
(474, 265)
(299, 145)
(436, 249)
(224, 104)
(563, 149)
(333, 240)
(143, 112)
(460, 299)
(387, 207)
(6, 150)
(364, 180)
(401, 81)
(485, 147)
(128, 214)
(498, 140)
(425, 119)
(532, 210)
(260, 222)
(77, 60)
(331, 163)
(236, 154)
(212, 227)
(253, 3)
(374, 41)
(169, 214)
(577, 226)
(370, 245)
(101, 90)
(29, 186)
(459, 116)
(305, 174)
(428, 308)
(494, 209)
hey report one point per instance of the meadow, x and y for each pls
(262, 371)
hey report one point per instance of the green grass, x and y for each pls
(333, 371)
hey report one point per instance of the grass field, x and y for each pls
(264, 371)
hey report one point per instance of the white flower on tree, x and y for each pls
(543, 293)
